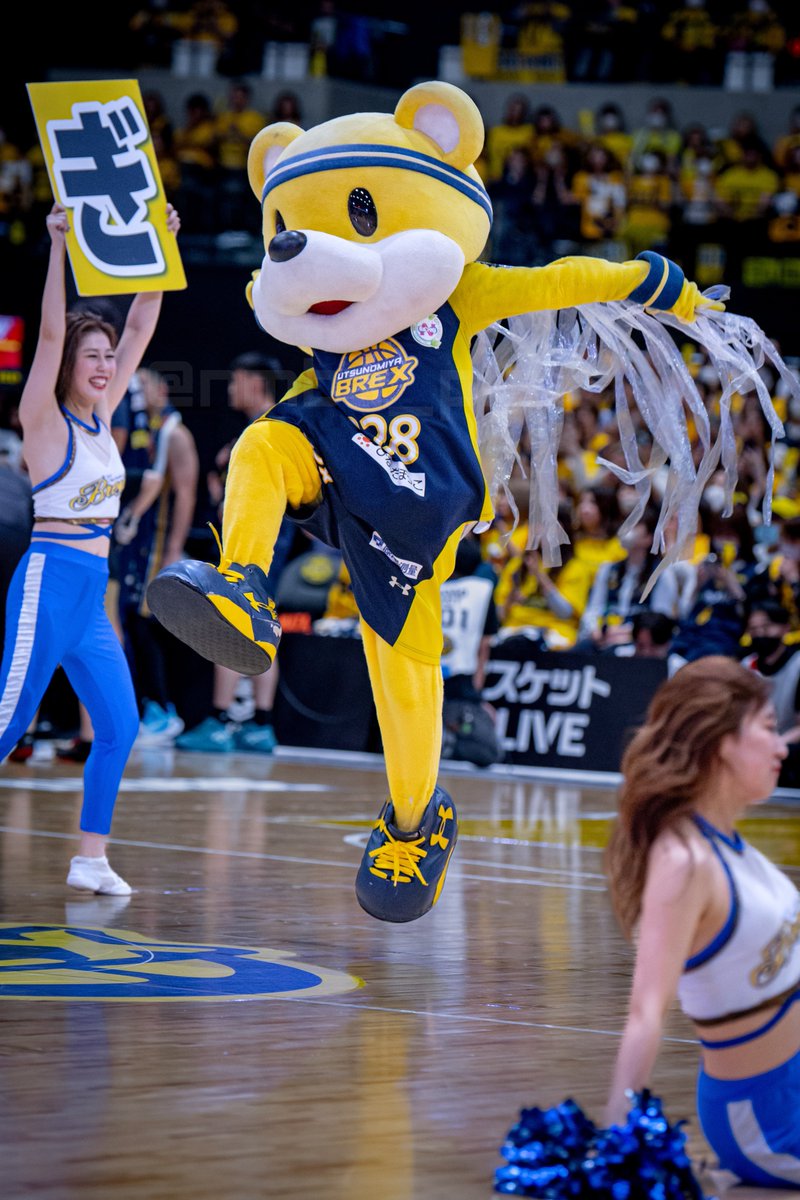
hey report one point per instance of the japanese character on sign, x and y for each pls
(106, 181)
(527, 683)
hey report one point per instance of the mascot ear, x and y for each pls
(446, 115)
(265, 150)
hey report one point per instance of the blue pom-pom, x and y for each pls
(560, 1154)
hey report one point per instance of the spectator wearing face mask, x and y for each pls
(600, 190)
(610, 132)
(648, 222)
(658, 135)
(777, 659)
(696, 230)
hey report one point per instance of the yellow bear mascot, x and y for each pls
(372, 227)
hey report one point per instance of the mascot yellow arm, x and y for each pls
(486, 294)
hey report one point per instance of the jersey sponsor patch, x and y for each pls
(371, 379)
(410, 569)
(397, 471)
(428, 332)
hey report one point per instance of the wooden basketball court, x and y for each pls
(243, 1030)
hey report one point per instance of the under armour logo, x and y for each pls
(259, 605)
(405, 588)
(438, 838)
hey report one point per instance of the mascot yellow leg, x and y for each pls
(226, 614)
(272, 467)
(408, 697)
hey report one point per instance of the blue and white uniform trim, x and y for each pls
(752, 1124)
(88, 481)
(55, 614)
(358, 155)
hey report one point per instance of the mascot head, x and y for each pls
(368, 219)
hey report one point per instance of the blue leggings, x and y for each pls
(55, 615)
(753, 1125)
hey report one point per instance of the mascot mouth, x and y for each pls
(329, 308)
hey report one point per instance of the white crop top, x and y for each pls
(89, 482)
(756, 956)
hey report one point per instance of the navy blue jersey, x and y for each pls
(394, 434)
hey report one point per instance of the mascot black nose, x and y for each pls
(286, 245)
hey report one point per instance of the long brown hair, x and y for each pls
(79, 324)
(668, 763)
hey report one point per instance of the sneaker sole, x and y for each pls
(192, 618)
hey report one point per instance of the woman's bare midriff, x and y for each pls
(753, 1058)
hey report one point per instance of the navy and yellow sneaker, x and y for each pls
(224, 613)
(402, 874)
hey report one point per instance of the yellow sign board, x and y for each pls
(103, 169)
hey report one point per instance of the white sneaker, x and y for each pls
(95, 875)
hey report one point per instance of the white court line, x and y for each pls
(172, 783)
(286, 858)
(480, 1020)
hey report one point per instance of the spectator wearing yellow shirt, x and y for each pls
(647, 222)
(744, 191)
(595, 521)
(658, 135)
(531, 596)
(600, 189)
(743, 133)
(540, 40)
(692, 37)
(505, 539)
(236, 127)
(611, 133)
(195, 150)
(515, 132)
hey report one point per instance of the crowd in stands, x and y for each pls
(747, 42)
(737, 592)
(695, 193)
(696, 42)
(705, 197)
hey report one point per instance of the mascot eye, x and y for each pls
(280, 224)
(362, 212)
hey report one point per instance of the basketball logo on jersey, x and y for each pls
(371, 379)
(83, 962)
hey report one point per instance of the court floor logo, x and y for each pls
(78, 962)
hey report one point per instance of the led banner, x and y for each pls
(103, 169)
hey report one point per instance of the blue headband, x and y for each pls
(334, 158)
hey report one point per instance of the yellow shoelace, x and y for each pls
(226, 572)
(398, 860)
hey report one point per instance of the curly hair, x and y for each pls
(668, 763)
